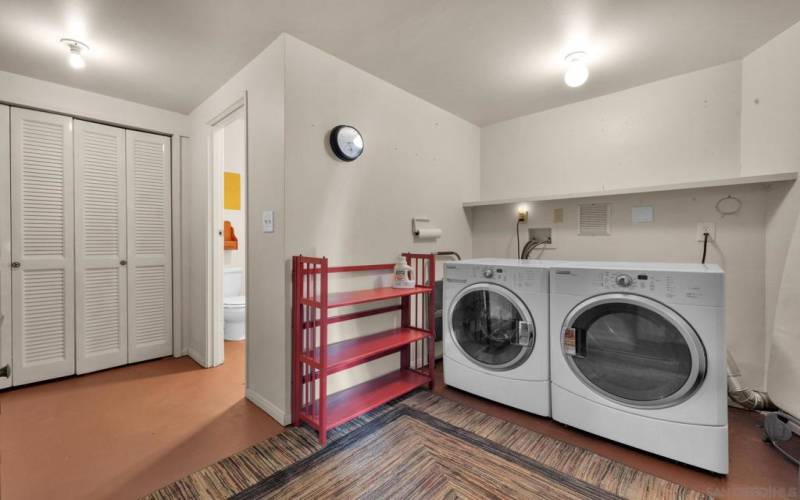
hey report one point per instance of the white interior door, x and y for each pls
(42, 252)
(5, 250)
(149, 246)
(101, 339)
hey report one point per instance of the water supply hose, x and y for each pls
(749, 399)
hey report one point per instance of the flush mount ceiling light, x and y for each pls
(76, 49)
(577, 73)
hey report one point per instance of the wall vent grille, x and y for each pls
(594, 219)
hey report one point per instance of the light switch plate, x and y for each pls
(268, 221)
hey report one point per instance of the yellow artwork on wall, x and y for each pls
(232, 191)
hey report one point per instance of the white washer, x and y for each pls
(496, 331)
(638, 356)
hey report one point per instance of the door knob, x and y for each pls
(15, 265)
(123, 263)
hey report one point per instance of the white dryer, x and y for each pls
(496, 331)
(638, 356)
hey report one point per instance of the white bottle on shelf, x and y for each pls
(403, 274)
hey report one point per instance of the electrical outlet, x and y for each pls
(706, 227)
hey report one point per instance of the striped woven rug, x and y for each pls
(423, 446)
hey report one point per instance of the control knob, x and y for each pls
(624, 280)
(488, 273)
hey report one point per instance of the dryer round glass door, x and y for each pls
(492, 326)
(633, 350)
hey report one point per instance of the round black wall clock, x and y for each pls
(346, 142)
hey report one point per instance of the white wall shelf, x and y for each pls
(730, 181)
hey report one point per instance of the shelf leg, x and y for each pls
(296, 327)
(431, 320)
(405, 322)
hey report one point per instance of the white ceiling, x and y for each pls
(483, 60)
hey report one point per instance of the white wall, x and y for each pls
(418, 160)
(669, 238)
(771, 143)
(675, 130)
(234, 160)
(679, 129)
(48, 96)
(268, 349)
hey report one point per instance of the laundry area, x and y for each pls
(399, 249)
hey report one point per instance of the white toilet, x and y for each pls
(234, 303)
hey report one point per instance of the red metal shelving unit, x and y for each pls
(313, 358)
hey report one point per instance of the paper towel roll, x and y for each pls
(429, 233)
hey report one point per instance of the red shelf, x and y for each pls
(348, 353)
(314, 359)
(340, 299)
(355, 401)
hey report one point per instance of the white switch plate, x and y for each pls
(706, 227)
(268, 221)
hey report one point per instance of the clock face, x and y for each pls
(346, 142)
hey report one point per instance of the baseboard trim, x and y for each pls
(273, 411)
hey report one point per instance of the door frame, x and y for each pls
(5, 244)
(215, 346)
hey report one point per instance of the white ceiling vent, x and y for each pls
(594, 219)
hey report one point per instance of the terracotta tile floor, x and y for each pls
(124, 432)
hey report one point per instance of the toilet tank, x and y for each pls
(232, 282)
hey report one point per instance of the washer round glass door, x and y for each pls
(492, 326)
(633, 350)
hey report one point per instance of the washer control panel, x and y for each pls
(533, 279)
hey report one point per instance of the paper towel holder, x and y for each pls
(424, 232)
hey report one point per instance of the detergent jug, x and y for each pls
(403, 274)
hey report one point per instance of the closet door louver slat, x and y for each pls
(43, 306)
(101, 293)
(149, 246)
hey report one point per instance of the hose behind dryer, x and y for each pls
(749, 399)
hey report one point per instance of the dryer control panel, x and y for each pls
(675, 287)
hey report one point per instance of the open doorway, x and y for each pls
(229, 164)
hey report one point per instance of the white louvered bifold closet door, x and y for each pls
(5, 250)
(101, 338)
(42, 245)
(149, 246)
